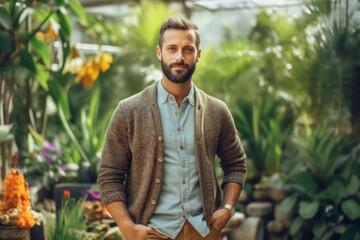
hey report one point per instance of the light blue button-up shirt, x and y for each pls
(180, 197)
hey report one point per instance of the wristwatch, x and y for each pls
(230, 208)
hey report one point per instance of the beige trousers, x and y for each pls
(188, 232)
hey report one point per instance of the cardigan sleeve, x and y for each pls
(115, 158)
(230, 151)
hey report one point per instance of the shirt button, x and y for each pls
(178, 129)
(160, 159)
(160, 138)
(181, 147)
(153, 202)
(183, 181)
(157, 180)
(183, 164)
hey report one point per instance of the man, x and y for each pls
(157, 175)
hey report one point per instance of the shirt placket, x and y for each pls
(183, 159)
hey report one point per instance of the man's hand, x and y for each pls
(220, 218)
(139, 232)
(128, 228)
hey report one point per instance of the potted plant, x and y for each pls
(16, 214)
(324, 187)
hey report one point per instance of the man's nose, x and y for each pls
(179, 56)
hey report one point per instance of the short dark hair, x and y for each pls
(180, 24)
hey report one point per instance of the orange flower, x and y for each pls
(104, 61)
(25, 219)
(41, 36)
(47, 37)
(16, 200)
(51, 34)
(90, 71)
(74, 53)
(67, 193)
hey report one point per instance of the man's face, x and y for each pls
(178, 55)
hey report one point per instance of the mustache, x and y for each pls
(177, 64)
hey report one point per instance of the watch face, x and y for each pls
(230, 208)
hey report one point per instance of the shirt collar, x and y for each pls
(163, 95)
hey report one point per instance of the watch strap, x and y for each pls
(230, 208)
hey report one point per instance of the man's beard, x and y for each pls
(180, 76)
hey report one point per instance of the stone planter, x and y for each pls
(14, 233)
(277, 195)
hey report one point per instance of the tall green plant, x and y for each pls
(27, 63)
(70, 221)
(264, 127)
(321, 151)
(331, 77)
(324, 191)
(89, 129)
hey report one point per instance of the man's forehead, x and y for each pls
(173, 36)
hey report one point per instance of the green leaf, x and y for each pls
(64, 20)
(341, 228)
(351, 209)
(85, 127)
(57, 92)
(42, 76)
(5, 19)
(288, 203)
(60, 2)
(6, 42)
(353, 186)
(306, 180)
(334, 192)
(11, 7)
(103, 128)
(307, 210)
(79, 10)
(94, 107)
(27, 60)
(296, 225)
(353, 232)
(24, 14)
(42, 49)
(319, 229)
(65, 47)
(71, 133)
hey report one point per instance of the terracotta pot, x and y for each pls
(14, 233)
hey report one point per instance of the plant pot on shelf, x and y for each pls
(277, 195)
(14, 233)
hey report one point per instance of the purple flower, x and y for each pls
(64, 167)
(48, 147)
(49, 159)
(93, 194)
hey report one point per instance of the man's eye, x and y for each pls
(189, 50)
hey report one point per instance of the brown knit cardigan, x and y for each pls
(132, 165)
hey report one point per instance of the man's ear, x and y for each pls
(158, 52)
(198, 54)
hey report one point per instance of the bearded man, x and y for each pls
(157, 175)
